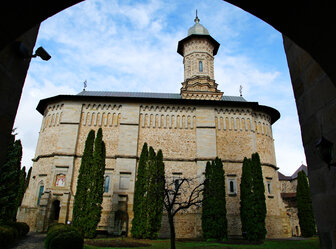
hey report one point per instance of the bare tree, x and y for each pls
(180, 194)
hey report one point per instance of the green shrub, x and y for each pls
(68, 239)
(55, 226)
(64, 236)
(8, 235)
(21, 228)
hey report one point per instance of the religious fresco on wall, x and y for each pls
(60, 180)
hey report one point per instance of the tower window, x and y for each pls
(200, 65)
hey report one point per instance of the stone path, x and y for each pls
(31, 241)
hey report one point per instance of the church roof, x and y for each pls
(149, 95)
(282, 177)
(198, 29)
(162, 98)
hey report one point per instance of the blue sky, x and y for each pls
(126, 45)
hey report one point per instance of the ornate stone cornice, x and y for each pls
(200, 87)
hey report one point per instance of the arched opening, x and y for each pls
(55, 210)
(121, 223)
(265, 8)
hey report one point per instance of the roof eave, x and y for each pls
(180, 43)
(274, 114)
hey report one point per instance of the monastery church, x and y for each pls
(191, 127)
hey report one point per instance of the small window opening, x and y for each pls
(269, 187)
(232, 187)
(40, 194)
(106, 184)
(200, 63)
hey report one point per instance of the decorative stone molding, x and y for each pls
(165, 117)
(52, 116)
(101, 114)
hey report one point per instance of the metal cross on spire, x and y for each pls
(85, 85)
(196, 19)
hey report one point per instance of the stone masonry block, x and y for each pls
(206, 142)
(71, 113)
(67, 139)
(130, 114)
(205, 117)
(128, 140)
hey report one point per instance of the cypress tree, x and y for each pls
(139, 220)
(9, 181)
(96, 186)
(148, 194)
(258, 188)
(155, 193)
(252, 200)
(246, 198)
(80, 212)
(214, 221)
(304, 204)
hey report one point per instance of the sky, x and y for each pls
(128, 45)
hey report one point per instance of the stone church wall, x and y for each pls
(189, 136)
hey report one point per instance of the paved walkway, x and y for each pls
(31, 241)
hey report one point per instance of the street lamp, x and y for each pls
(23, 52)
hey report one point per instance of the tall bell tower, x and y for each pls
(198, 50)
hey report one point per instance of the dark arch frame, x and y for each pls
(308, 23)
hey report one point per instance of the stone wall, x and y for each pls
(189, 136)
(315, 96)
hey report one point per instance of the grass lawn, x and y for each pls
(312, 243)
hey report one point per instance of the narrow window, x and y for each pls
(176, 184)
(269, 187)
(40, 194)
(106, 184)
(232, 187)
(200, 64)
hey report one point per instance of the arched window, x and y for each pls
(40, 192)
(232, 186)
(200, 65)
(106, 184)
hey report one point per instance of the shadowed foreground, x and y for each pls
(297, 243)
(31, 241)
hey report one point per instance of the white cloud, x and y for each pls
(131, 46)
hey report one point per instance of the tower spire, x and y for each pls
(197, 20)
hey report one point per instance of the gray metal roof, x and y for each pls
(198, 29)
(282, 177)
(148, 95)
